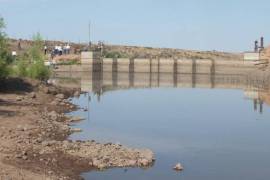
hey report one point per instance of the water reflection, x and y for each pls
(255, 88)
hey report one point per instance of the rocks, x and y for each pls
(110, 155)
(178, 167)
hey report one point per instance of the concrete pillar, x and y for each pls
(107, 64)
(142, 65)
(154, 66)
(203, 66)
(184, 66)
(123, 64)
(87, 58)
(166, 65)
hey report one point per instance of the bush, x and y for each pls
(37, 68)
(31, 63)
(39, 71)
(22, 65)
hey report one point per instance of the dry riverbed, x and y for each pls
(34, 131)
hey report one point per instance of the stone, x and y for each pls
(19, 127)
(46, 90)
(60, 96)
(24, 157)
(18, 156)
(178, 167)
(24, 153)
(19, 98)
(54, 103)
(95, 162)
(75, 130)
(45, 143)
(32, 95)
(148, 154)
(53, 115)
(52, 91)
(143, 162)
(77, 94)
(132, 163)
(76, 119)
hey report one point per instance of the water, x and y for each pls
(214, 133)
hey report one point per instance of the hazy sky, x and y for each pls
(229, 25)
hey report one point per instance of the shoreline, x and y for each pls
(34, 133)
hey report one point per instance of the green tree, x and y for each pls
(5, 56)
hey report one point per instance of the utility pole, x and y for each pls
(89, 35)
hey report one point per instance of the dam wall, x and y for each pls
(178, 66)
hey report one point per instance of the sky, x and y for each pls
(224, 25)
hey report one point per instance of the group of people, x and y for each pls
(58, 50)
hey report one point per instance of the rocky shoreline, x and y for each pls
(34, 132)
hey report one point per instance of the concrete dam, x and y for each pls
(97, 73)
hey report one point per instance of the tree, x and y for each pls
(5, 56)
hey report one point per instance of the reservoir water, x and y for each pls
(216, 131)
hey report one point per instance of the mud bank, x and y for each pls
(34, 132)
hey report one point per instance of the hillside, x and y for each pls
(135, 51)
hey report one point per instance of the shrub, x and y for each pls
(38, 70)
(22, 64)
(31, 63)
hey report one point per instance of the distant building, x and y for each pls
(251, 56)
